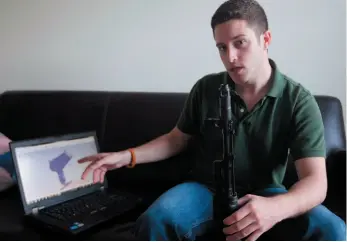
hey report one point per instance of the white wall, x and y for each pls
(158, 45)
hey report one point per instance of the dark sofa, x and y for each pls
(127, 119)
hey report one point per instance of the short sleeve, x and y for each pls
(307, 132)
(188, 121)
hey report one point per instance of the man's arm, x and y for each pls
(157, 149)
(308, 192)
(307, 147)
(161, 148)
(175, 141)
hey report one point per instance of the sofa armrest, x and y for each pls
(336, 169)
(336, 172)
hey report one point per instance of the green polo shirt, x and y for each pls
(286, 121)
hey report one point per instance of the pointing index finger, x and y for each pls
(91, 158)
(96, 162)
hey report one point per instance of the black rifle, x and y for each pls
(225, 201)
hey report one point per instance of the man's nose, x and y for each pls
(231, 55)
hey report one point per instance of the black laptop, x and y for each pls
(51, 188)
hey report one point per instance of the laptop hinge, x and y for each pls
(35, 211)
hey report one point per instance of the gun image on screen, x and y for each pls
(58, 164)
(225, 201)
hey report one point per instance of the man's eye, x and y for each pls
(240, 43)
(222, 49)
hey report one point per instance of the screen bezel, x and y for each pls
(28, 208)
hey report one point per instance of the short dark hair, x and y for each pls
(249, 10)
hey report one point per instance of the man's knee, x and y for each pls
(156, 215)
(154, 223)
(182, 212)
(325, 225)
(334, 229)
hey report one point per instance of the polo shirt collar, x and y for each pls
(277, 80)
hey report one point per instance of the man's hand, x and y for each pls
(103, 162)
(256, 216)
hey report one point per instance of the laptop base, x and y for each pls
(111, 206)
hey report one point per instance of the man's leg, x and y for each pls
(317, 224)
(182, 213)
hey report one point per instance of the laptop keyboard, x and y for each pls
(84, 206)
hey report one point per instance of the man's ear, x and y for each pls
(267, 39)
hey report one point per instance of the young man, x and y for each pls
(275, 115)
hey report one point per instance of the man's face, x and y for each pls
(241, 50)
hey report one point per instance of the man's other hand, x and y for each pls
(256, 216)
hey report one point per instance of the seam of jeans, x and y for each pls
(196, 224)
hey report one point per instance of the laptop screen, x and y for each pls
(49, 170)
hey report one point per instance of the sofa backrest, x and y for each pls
(31, 114)
(123, 120)
(334, 124)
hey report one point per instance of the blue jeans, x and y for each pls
(185, 212)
